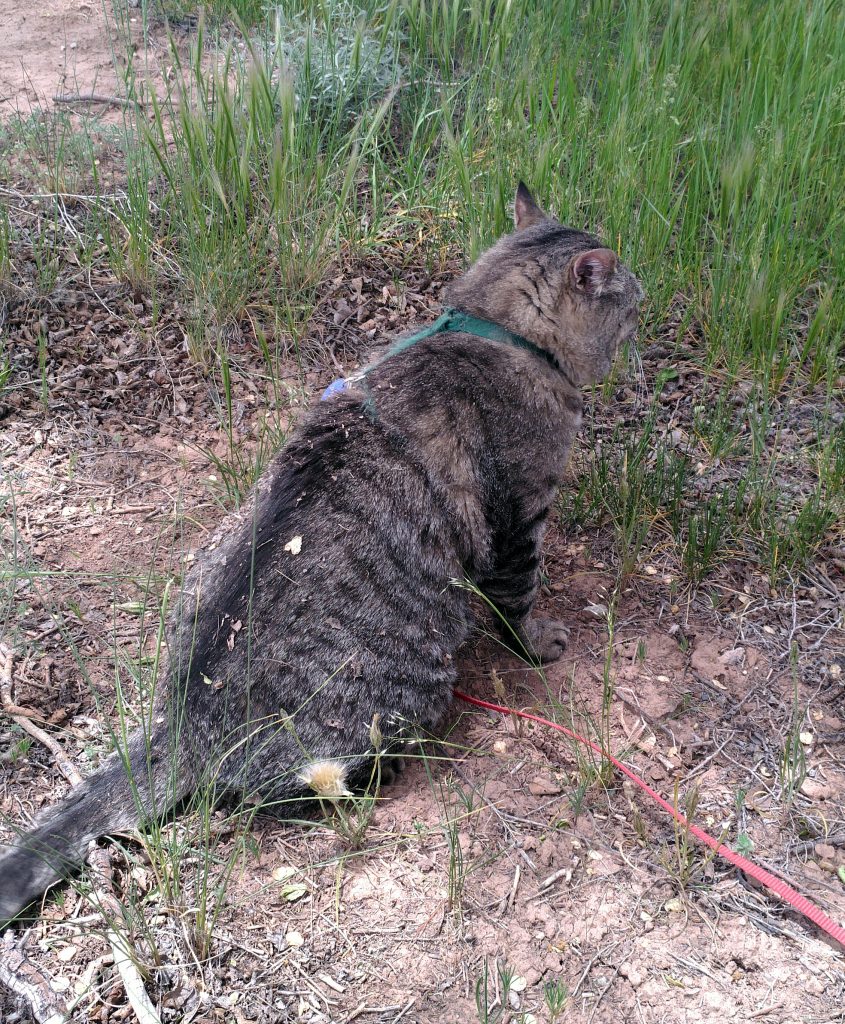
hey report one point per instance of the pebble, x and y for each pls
(635, 978)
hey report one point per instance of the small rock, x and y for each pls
(630, 972)
(825, 851)
(816, 790)
(812, 870)
(544, 785)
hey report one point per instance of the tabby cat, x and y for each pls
(325, 620)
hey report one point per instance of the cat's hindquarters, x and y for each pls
(141, 782)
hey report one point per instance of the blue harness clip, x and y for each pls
(335, 388)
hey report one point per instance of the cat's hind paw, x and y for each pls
(544, 639)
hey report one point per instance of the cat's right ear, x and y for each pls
(592, 272)
(526, 213)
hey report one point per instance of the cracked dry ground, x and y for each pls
(487, 852)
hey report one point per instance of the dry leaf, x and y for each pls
(294, 892)
(283, 873)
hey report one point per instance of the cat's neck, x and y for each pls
(522, 321)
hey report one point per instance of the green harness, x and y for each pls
(451, 320)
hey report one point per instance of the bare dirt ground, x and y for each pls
(489, 855)
(67, 48)
(594, 889)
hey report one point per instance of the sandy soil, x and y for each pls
(67, 48)
(590, 889)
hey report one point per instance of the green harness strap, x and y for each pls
(466, 323)
(451, 320)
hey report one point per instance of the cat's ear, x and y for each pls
(526, 213)
(591, 272)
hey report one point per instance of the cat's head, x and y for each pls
(558, 287)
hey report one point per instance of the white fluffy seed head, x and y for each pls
(327, 779)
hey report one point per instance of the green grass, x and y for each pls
(248, 12)
(705, 143)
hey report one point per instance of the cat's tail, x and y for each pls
(140, 782)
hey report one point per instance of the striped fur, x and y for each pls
(282, 651)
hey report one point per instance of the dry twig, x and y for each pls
(29, 985)
(94, 97)
(65, 766)
(16, 972)
(103, 898)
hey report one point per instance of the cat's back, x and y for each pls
(340, 561)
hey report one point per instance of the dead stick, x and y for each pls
(19, 712)
(65, 766)
(94, 97)
(102, 897)
(29, 985)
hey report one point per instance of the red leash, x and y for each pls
(801, 903)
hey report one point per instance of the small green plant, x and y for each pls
(242, 12)
(5, 245)
(634, 482)
(491, 994)
(608, 687)
(5, 368)
(705, 539)
(744, 844)
(241, 466)
(685, 864)
(19, 747)
(792, 764)
(340, 62)
(555, 996)
(684, 861)
(451, 822)
(716, 425)
(348, 814)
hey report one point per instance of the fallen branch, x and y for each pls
(29, 985)
(16, 972)
(103, 898)
(94, 97)
(19, 712)
(63, 763)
